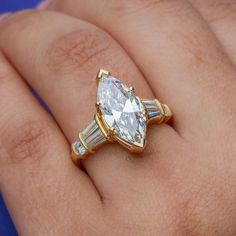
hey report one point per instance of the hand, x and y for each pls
(182, 52)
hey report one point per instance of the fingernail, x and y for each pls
(4, 16)
(44, 4)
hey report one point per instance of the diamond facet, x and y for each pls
(81, 150)
(122, 111)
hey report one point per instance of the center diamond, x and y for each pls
(122, 111)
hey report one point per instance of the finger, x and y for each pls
(221, 16)
(175, 50)
(37, 178)
(62, 69)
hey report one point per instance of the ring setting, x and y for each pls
(121, 117)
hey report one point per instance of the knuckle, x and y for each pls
(226, 10)
(20, 19)
(80, 50)
(135, 6)
(28, 141)
(24, 21)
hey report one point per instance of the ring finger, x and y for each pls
(62, 67)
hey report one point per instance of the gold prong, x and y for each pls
(111, 132)
(135, 147)
(131, 89)
(97, 108)
(97, 105)
(102, 73)
(166, 113)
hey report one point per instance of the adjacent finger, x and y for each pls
(221, 16)
(37, 179)
(175, 50)
(62, 68)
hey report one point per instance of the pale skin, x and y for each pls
(182, 52)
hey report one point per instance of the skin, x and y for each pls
(182, 52)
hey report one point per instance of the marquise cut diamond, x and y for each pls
(122, 111)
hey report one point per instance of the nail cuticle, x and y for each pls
(43, 4)
(4, 16)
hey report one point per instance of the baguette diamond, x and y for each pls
(80, 149)
(92, 135)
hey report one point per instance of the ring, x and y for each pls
(121, 117)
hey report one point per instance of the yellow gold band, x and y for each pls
(121, 116)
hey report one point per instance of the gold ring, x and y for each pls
(121, 117)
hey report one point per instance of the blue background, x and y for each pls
(16, 5)
(6, 225)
